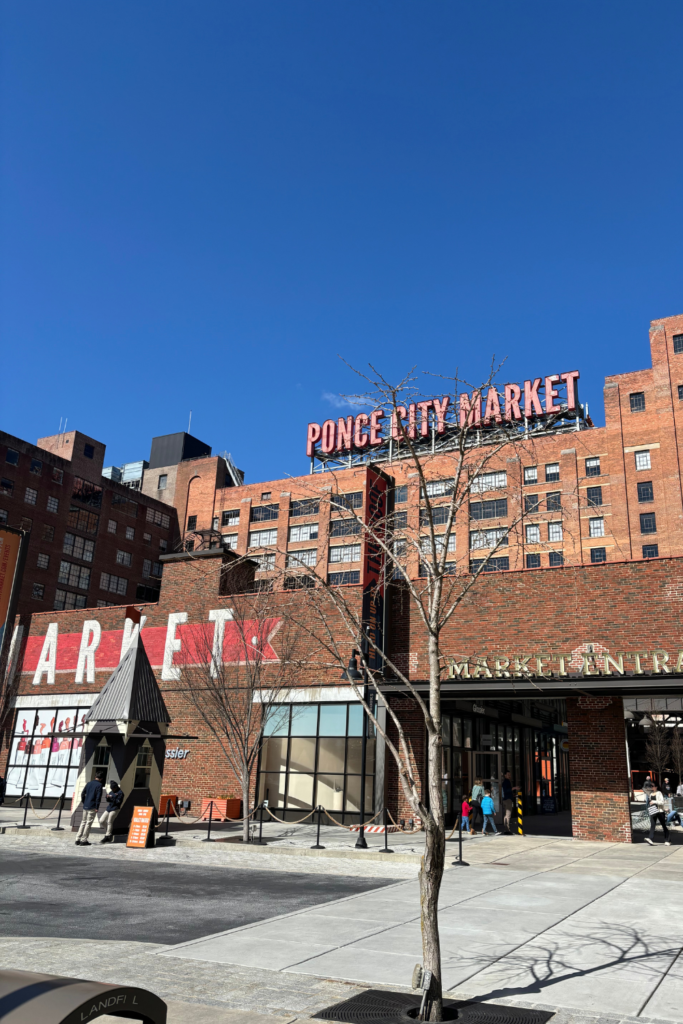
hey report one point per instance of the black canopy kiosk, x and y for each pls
(125, 737)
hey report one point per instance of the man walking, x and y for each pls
(114, 801)
(91, 797)
(656, 811)
(508, 800)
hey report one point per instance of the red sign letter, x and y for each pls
(440, 410)
(424, 421)
(571, 379)
(314, 433)
(345, 433)
(532, 403)
(329, 436)
(470, 410)
(359, 438)
(376, 427)
(397, 417)
(551, 394)
(513, 393)
(492, 410)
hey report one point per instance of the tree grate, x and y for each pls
(378, 1007)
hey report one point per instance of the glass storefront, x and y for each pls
(312, 755)
(40, 764)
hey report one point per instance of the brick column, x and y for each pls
(598, 769)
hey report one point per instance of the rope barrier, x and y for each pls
(406, 831)
(283, 822)
(194, 821)
(350, 828)
(40, 817)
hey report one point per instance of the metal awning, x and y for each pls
(568, 686)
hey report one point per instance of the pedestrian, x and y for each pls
(465, 812)
(679, 788)
(3, 787)
(508, 800)
(666, 788)
(114, 801)
(488, 809)
(673, 818)
(648, 786)
(92, 798)
(656, 812)
(477, 797)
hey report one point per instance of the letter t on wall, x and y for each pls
(220, 616)
(169, 671)
(90, 641)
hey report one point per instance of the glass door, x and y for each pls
(486, 765)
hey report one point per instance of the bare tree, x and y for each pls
(676, 743)
(448, 462)
(233, 675)
(658, 747)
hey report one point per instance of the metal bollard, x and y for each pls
(460, 863)
(520, 819)
(27, 795)
(317, 842)
(165, 838)
(58, 827)
(386, 833)
(260, 824)
(208, 831)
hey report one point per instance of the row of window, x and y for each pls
(36, 467)
(269, 513)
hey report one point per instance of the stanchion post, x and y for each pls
(58, 827)
(260, 824)
(520, 818)
(27, 795)
(460, 863)
(386, 833)
(208, 831)
(317, 841)
(165, 838)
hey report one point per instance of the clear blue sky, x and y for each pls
(203, 204)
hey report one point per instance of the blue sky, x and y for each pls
(203, 205)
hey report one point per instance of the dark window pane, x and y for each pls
(648, 522)
(533, 561)
(340, 579)
(650, 551)
(494, 509)
(637, 401)
(678, 342)
(192, 522)
(680, 392)
(593, 466)
(554, 501)
(264, 513)
(646, 491)
(594, 496)
(555, 558)
(493, 565)
(400, 520)
(305, 507)
(350, 501)
(531, 503)
(439, 515)
(87, 493)
(344, 528)
(401, 494)
(598, 555)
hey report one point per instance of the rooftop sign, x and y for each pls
(511, 405)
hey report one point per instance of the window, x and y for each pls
(298, 582)
(111, 526)
(593, 466)
(114, 584)
(130, 533)
(53, 504)
(596, 527)
(162, 482)
(400, 494)
(38, 591)
(158, 518)
(449, 569)
(680, 392)
(533, 534)
(426, 544)
(147, 567)
(262, 538)
(265, 562)
(74, 575)
(678, 343)
(637, 399)
(79, 519)
(345, 553)
(43, 561)
(230, 541)
(650, 551)
(552, 472)
(26, 524)
(488, 482)
(492, 565)
(214, 523)
(64, 599)
(555, 558)
(12, 457)
(440, 515)
(400, 520)
(143, 593)
(126, 505)
(598, 555)
(643, 460)
(533, 561)
(230, 517)
(488, 538)
(594, 496)
(78, 547)
(495, 509)
(163, 544)
(264, 513)
(308, 531)
(531, 503)
(57, 475)
(646, 491)
(266, 495)
(350, 501)
(648, 522)
(344, 528)
(6, 486)
(3, 517)
(124, 558)
(48, 532)
(30, 496)
(554, 532)
(89, 451)
(87, 493)
(295, 558)
(36, 467)
(531, 475)
(553, 501)
(341, 579)
(303, 507)
(192, 522)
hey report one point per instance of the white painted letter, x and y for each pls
(169, 670)
(90, 641)
(130, 631)
(47, 662)
(220, 616)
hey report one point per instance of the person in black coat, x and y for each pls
(92, 798)
(114, 801)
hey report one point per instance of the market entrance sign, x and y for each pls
(547, 666)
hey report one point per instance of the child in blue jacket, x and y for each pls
(488, 809)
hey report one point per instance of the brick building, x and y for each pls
(592, 516)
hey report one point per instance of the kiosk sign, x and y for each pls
(139, 827)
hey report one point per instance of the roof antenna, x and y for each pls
(190, 422)
(60, 424)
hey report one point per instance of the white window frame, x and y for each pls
(533, 534)
(52, 504)
(230, 541)
(644, 458)
(262, 538)
(30, 496)
(344, 553)
(494, 481)
(531, 475)
(296, 559)
(480, 539)
(555, 533)
(303, 532)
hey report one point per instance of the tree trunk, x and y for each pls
(431, 873)
(245, 807)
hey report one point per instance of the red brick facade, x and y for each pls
(599, 771)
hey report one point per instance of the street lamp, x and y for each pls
(349, 674)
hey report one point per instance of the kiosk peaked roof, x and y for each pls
(131, 692)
